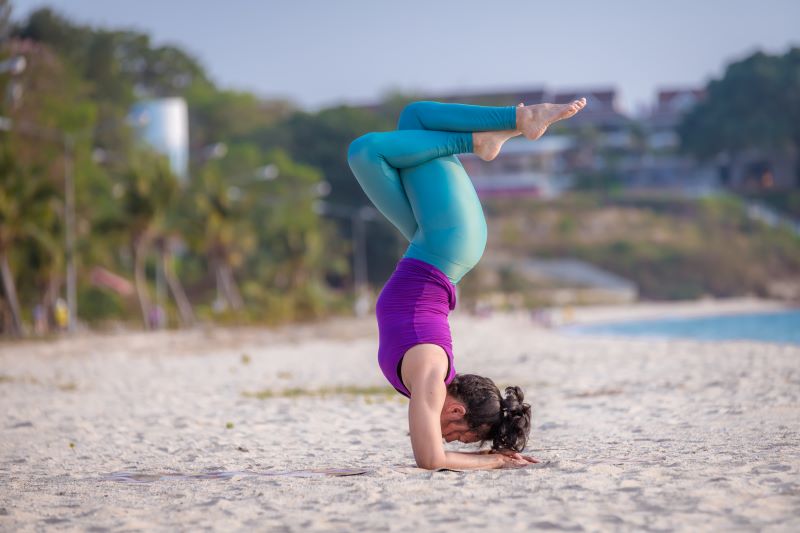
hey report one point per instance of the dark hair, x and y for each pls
(504, 421)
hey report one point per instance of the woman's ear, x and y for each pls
(459, 409)
(453, 409)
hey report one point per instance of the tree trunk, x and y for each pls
(795, 154)
(175, 287)
(140, 277)
(11, 294)
(229, 287)
(49, 299)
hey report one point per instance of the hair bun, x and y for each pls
(515, 426)
(505, 421)
(513, 399)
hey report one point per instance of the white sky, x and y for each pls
(322, 52)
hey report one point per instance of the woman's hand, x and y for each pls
(518, 458)
(509, 461)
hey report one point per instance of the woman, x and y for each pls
(413, 177)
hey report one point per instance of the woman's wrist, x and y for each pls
(500, 460)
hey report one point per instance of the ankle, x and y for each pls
(478, 141)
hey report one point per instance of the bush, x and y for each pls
(98, 305)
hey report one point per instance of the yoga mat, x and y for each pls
(145, 477)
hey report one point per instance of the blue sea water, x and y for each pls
(779, 327)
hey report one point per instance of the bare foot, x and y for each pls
(487, 144)
(533, 120)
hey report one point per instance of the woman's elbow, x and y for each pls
(432, 463)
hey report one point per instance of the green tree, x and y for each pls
(25, 207)
(290, 254)
(266, 235)
(321, 140)
(218, 230)
(51, 109)
(5, 19)
(116, 61)
(118, 67)
(756, 104)
(148, 192)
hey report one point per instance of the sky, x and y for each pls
(318, 52)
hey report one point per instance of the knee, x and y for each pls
(361, 149)
(463, 245)
(474, 246)
(469, 242)
(409, 117)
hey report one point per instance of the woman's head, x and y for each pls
(490, 416)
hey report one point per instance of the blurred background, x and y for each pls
(169, 164)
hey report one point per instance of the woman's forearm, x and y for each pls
(473, 461)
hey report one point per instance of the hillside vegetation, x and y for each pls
(672, 248)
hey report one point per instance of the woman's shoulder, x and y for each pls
(423, 361)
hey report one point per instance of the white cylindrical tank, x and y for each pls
(163, 123)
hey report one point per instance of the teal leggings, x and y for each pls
(413, 178)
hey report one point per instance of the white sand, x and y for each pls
(634, 434)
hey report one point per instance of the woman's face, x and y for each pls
(458, 430)
(454, 422)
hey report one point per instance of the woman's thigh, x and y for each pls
(451, 229)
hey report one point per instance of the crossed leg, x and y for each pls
(451, 232)
(413, 178)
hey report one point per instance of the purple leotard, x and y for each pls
(412, 309)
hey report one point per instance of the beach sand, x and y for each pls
(632, 434)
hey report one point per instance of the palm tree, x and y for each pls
(149, 191)
(164, 246)
(221, 232)
(25, 214)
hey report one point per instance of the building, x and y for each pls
(531, 169)
(532, 95)
(653, 162)
(663, 120)
(602, 111)
(643, 154)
